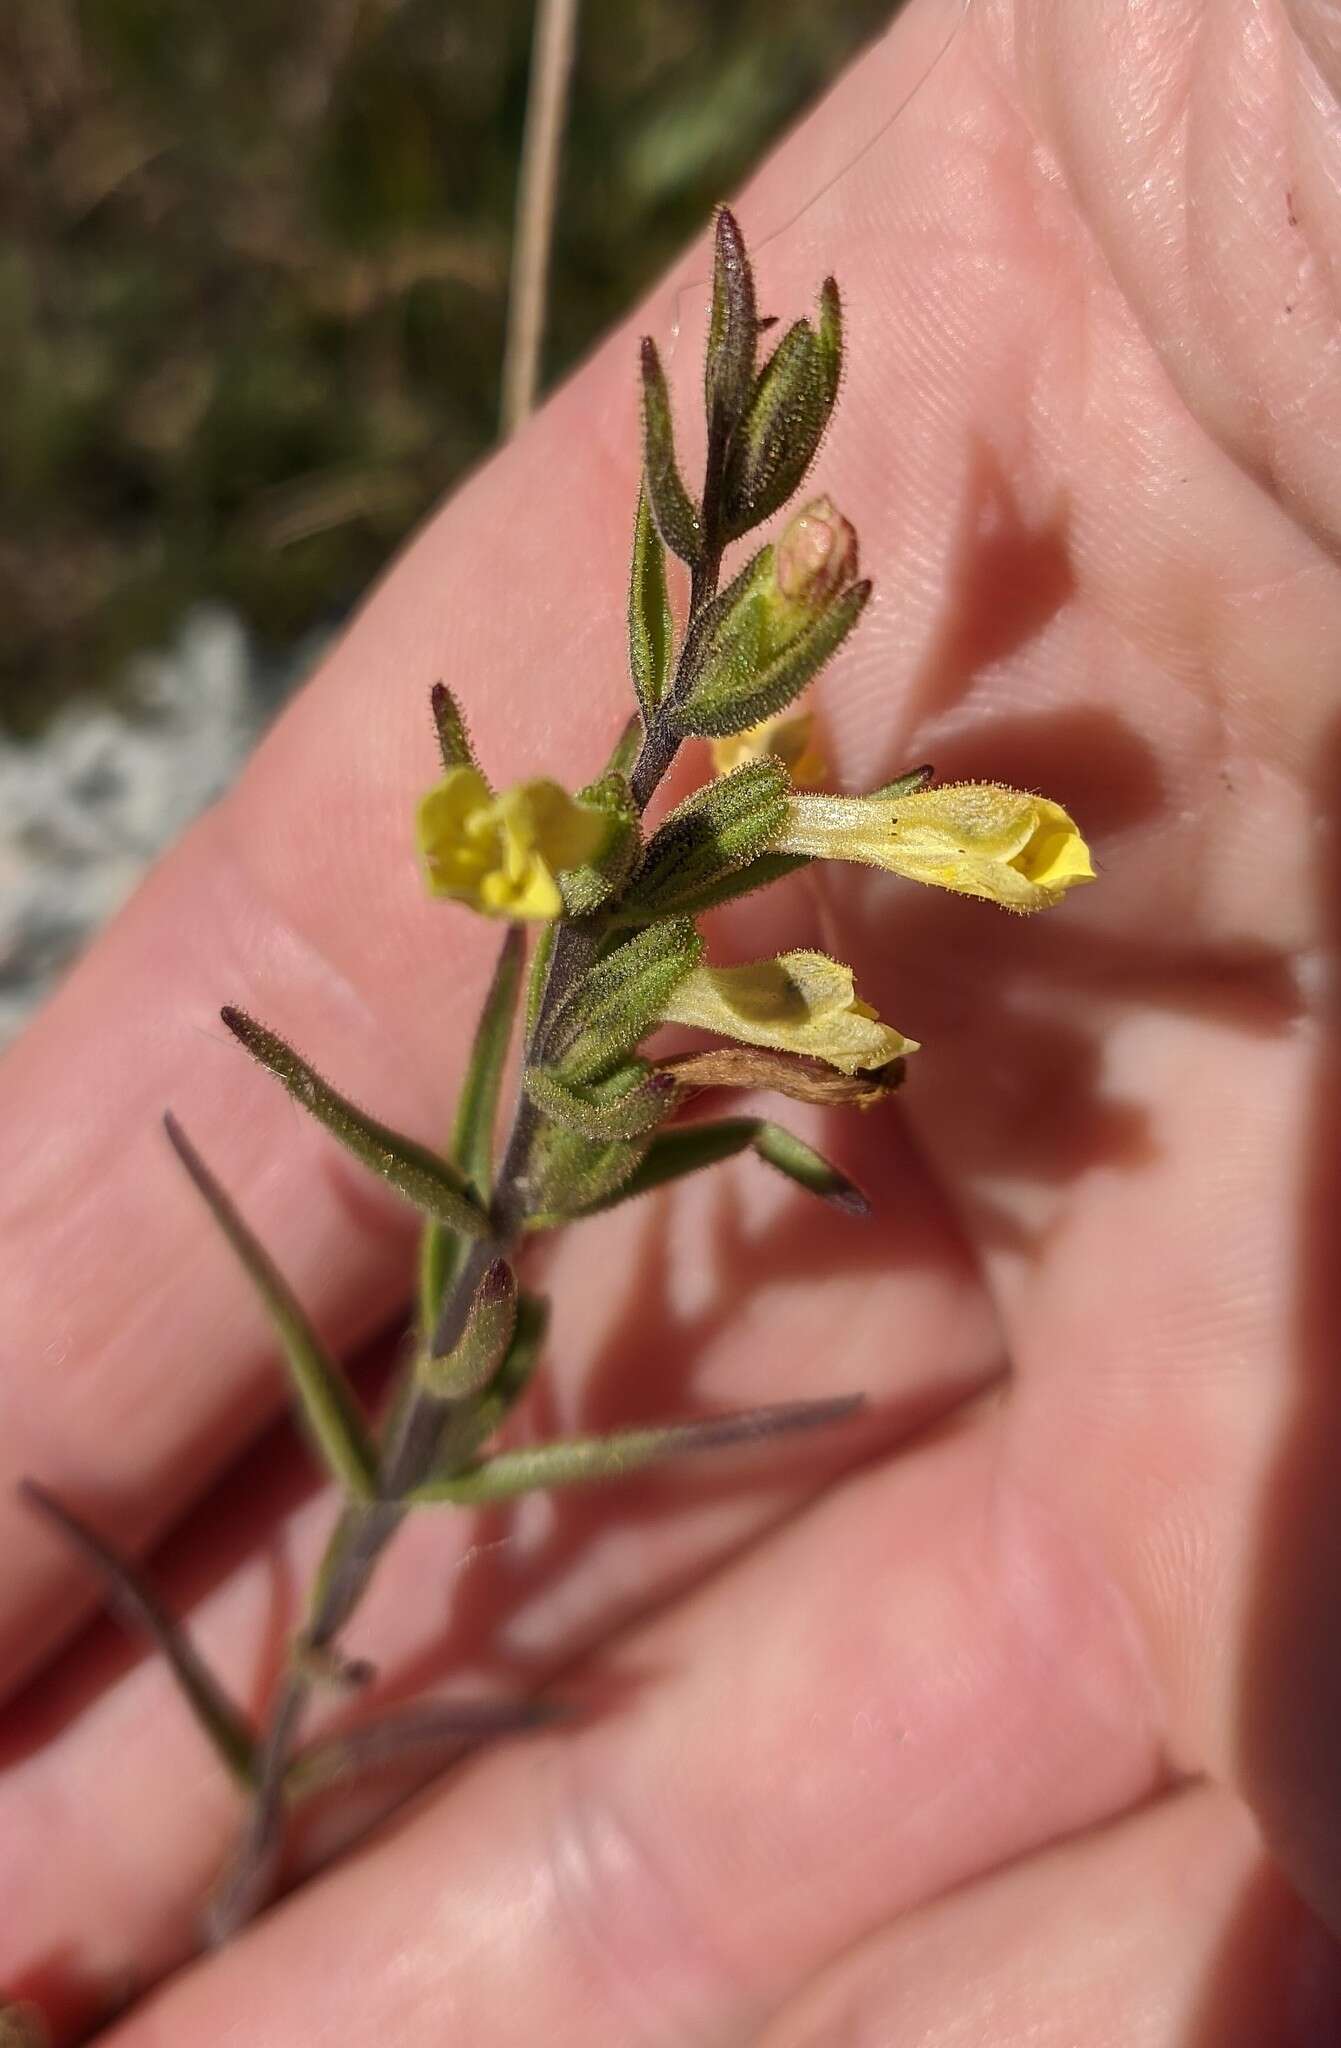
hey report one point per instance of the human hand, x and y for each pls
(967, 1727)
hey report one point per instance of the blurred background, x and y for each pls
(253, 293)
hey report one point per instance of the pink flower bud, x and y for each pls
(817, 555)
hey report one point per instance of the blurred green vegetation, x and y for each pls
(253, 261)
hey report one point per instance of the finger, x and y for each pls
(134, 1367)
(1221, 117)
(905, 1687)
(1182, 1411)
(1146, 1156)
(1169, 1929)
(115, 1815)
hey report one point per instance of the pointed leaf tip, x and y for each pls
(425, 1179)
(138, 1606)
(733, 330)
(676, 515)
(453, 739)
(583, 1461)
(477, 1106)
(326, 1400)
(474, 1359)
(413, 1731)
(496, 1284)
(684, 1149)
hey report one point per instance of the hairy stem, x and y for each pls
(364, 1531)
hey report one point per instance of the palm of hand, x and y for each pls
(1082, 1552)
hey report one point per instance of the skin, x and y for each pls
(1008, 1714)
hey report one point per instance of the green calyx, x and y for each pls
(620, 999)
(709, 841)
(789, 407)
(483, 1344)
(626, 1104)
(758, 648)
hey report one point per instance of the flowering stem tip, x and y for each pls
(603, 892)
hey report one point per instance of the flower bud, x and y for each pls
(816, 556)
(759, 643)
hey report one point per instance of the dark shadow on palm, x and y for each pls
(1005, 580)
(1290, 1758)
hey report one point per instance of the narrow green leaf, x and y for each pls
(724, 701)
(722, 827)
(686, 1149)
(689, 1148)
(437, 1725)
(539, 976)
(415, 1172)
(136, 1604)
(733, 328)
(439, 1255)
(673, 509)
(582, 1461)
(325, 1399)
(904, 785)
(483, 1344)
(829, 336)
(650, 628)
(477, 1107)
(620, 999)
(633, 1099)
(453, 739)
(809, 1169)
(779, 436)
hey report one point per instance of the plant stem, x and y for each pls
(364, 1531)
(362, 1535)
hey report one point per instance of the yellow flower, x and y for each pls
(789, 736)
(975, 837)
(801, 1002)
(501, 854)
